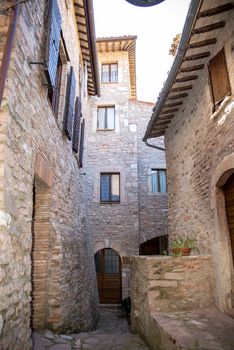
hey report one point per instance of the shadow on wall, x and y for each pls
(154, 246)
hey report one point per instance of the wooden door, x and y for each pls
(229, 197)
(108, 268)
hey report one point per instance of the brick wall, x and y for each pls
(29, 129)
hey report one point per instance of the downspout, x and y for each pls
(8, 49)
(154, 146)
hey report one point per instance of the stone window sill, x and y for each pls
(221, 107)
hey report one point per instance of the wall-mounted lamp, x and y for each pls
(144, 3)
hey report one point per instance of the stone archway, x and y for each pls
(221, 245)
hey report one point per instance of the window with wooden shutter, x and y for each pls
(69, 112)
(81, 148)
(219, 77)
(76, 126)
(53, 40)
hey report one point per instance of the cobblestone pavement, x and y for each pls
(112, 334)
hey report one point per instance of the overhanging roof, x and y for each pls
(122, 43)
(205, 18)
(86, 30)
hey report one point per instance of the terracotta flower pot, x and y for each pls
(181, 251)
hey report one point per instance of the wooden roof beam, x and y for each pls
(188, 78)
(173, 104)
(166, 116)
(169, 111)
(202, 43)
(175, 97)
(197, 56)
(208, 28)
(192, 68)
(216, 10)
(181, 88)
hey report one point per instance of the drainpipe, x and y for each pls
(154, 146)
(8, 49)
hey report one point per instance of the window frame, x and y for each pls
(212, 79)
(54, 93)
(157, 171)
(109, 73)
(106, 117)
(110, 201)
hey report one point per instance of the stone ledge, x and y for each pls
(197, 329)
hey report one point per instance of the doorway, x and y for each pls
(229, 201)
(40, 254)
(108, 269)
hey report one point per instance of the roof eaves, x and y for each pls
(185, 37)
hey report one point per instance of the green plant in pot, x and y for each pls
(182, 246)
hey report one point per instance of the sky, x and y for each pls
(155, 28)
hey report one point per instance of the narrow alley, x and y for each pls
(112, 334)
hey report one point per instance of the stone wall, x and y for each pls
(167, 284)
(140, 215)
(197, 142)
(152, 206)
(29, 131)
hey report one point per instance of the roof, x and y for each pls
(205, 18)
(122, 43)
(86, 30)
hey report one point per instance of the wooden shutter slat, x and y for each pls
(81, 150)
(76, 126)
(69, 114)
(219, 77)
(55, 24)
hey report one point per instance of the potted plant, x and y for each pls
(182, 246)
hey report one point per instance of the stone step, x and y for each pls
(109, 307)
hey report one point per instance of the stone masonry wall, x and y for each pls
(139, 215)
(30, 130)
(197, 142)
(114, 225)
(152, 206)
(168, 284)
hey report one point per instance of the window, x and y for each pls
(110, 73)
(70, 104)
(110, 187)
(219, 80)
(106, 118)
(54, 91)
(159, 180)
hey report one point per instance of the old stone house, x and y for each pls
(195, 113)
(127, 208)
(48, 73)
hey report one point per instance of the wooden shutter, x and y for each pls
(76, 125)
(81, 150)
(69, 111)
(53, 40)
(219, 77)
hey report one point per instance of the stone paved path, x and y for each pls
(112, 334)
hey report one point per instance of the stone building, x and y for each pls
(195, 113)
(48, 73)
(127, 208)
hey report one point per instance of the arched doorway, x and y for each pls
(108, 269)
(229, 201)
